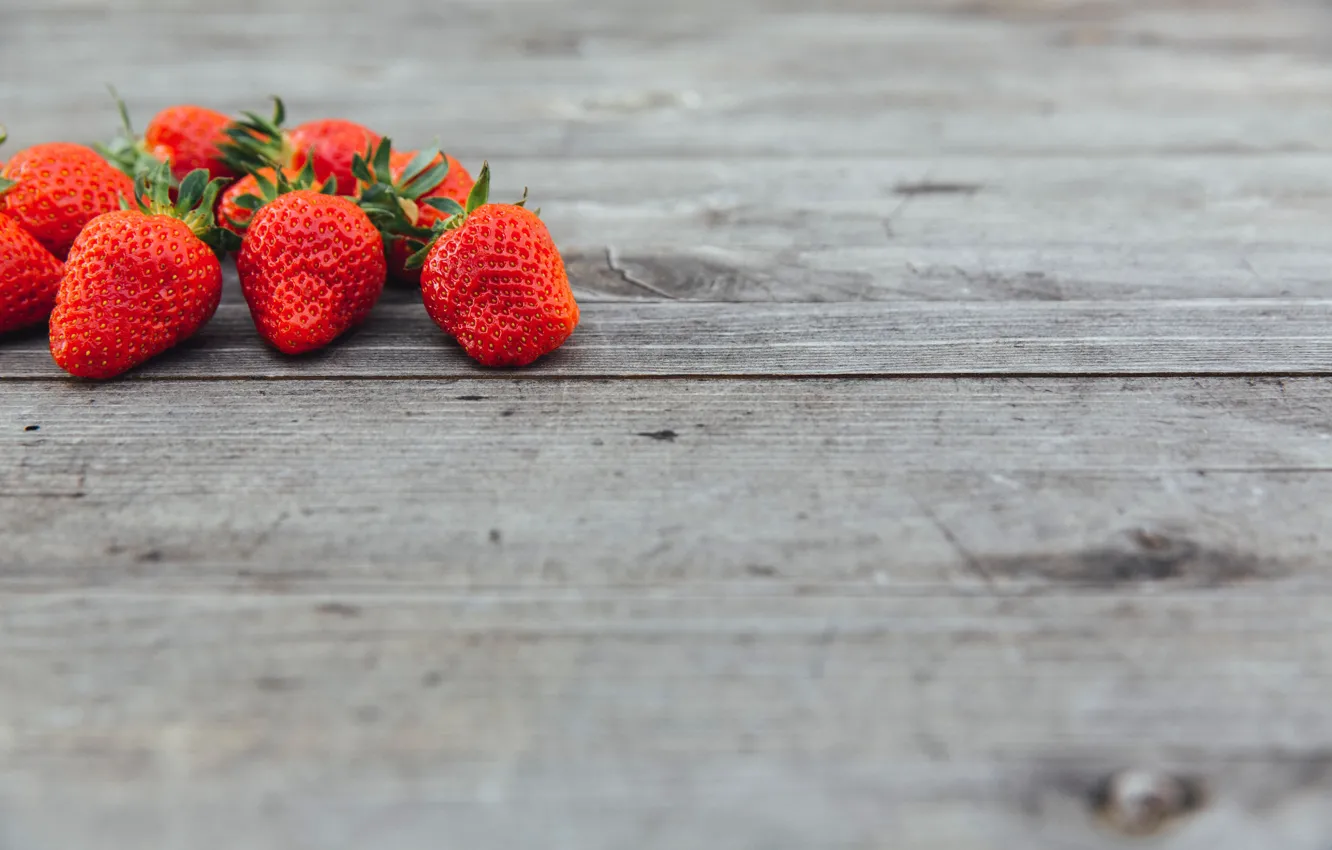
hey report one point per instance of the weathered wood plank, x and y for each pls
(603, 721)
(926, 485)
(951, 229)
(1253, 336)
(744, 79)
(398, 610)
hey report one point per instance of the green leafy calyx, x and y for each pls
(477, 198)
(394, 204)
(269, 190)
(255, 142)
(193, 205)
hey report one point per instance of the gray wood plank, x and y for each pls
(596, 721)
(1249, 336)
(742, 79)
(1021, 483)
(316, 614)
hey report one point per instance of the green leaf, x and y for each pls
(160, 178)
(419, 164)
(480, 193)
(426, 181)
(383, 156)
(210, 194)
(361, 169)
(125, 124)
(415, 261)
(191, 190)
(279, 112)
(248, 202)
(448, 206)
(266, 187)
(305, 178)
(141, 191)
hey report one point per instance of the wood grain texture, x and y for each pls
(605, 78)
(595, 721)
(662, 338)
(942, 463)
(434, 605)
(1025, 482)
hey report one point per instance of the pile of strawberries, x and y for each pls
(119, 246)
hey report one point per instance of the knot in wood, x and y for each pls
(1143, 802)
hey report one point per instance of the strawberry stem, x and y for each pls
(127, 152)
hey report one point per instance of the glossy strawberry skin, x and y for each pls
(455, 186)
(187, 137)
(335, 143)
(134, 286)
(29, 278)
(311, 267)
(497, 284)
(228, 211)
(61, 187)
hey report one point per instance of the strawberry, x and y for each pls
(416, 180)
(494, 280)
(139, 281)
(29, 274)
(57, 188)
(186, 137)
(29, 277)
(330, 144)
(311, 264)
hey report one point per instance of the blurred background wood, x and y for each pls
(942, 461)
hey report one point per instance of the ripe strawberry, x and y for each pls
(139, 281)
(29, 277)
(330, 143)
(57, 188)
(494, 280)
(416, 180)
(187, 137)
(311, 265)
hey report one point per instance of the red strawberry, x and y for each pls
(29, 277)
(57, 189)
(329, 143)
(494, 280)
(311, 267)
(187, 137)
(139, 281)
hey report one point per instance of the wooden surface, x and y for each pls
(942, 461)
